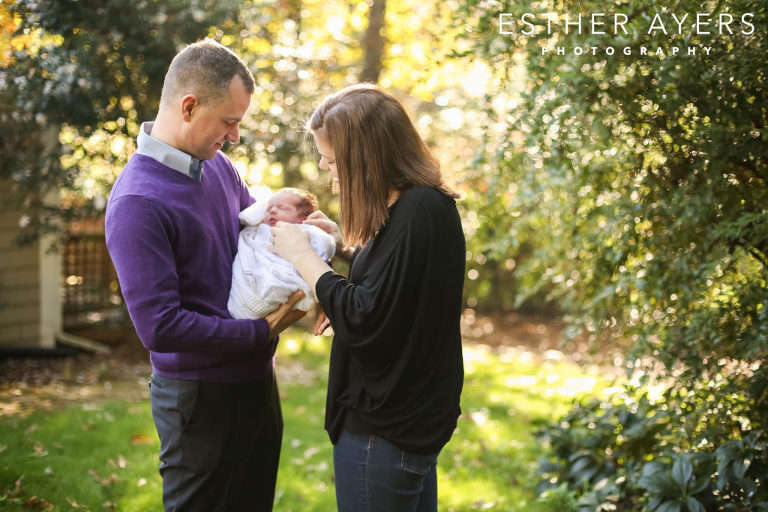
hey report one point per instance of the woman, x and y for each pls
(396, 369)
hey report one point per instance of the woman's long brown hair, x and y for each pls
(377, 149)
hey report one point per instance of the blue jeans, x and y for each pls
(374, 475)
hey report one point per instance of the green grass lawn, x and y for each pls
(102, 455)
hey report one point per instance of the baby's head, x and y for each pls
(290, 205)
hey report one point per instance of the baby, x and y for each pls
(262, 280)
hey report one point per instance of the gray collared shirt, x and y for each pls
(168, 155)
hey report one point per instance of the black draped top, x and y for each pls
(396, 368)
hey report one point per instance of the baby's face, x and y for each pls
(283, 206)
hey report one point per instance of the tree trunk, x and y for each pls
(291, 172)
(373, 43)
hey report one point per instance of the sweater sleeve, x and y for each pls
(374, 315)
(140, 242)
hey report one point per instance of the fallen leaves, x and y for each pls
(32, 384)
(17, 496)
(104, 482)
(121, 463)
(141, 439)
(39, 450)
(311, 451)
(35, 503)
(76, 505)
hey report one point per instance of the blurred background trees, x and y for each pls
(626, 192)
(636, 188)
(78, 79)
(93, 72)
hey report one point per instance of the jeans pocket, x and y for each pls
(417, 463)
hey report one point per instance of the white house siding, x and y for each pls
(30, 282)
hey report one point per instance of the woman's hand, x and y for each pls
(321, 220)
(321, 323)
(290, 242)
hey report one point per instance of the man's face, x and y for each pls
(208, 127)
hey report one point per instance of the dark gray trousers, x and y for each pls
(219, 443)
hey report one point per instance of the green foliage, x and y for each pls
(631, 451)
(91, 66)
(82, 76)
(639, 182)
(637, 187)
(673, 489)
(742, 466)
(684, 482)
(599, 447)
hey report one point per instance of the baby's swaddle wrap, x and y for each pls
(262, 280)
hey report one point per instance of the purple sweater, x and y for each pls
(172, 241)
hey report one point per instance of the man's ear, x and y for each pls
(189, 105)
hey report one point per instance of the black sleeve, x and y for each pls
(371, 317)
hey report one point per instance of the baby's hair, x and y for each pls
(307, 200)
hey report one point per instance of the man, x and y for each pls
(172, 232)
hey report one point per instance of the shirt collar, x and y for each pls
(168, 155)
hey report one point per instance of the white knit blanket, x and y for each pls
(262, 280)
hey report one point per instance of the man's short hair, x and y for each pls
(205, 69)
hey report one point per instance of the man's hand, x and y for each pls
(285, 316)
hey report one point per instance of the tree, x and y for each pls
(374, 42)
(86, 67)
(92, 72)
(638, 182)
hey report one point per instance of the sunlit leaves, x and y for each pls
(641, 186)
(92, 70)
(635, 177)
